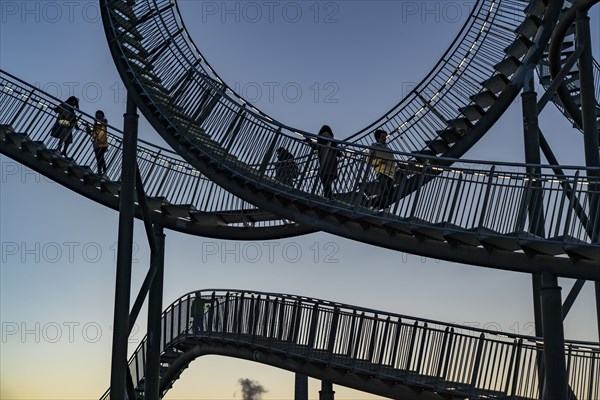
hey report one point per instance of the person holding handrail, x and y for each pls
(99, 139)
(328, 154)
(385, 167)
(65, 123)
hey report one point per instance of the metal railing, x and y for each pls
(436, 356)
(187, 81)
(230, 132)
(165, 175)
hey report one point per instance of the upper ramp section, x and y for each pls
(478, 213)
(179, 196)
(383, 353)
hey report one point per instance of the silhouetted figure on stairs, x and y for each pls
(286, 169)
(99, 138)
(328, 154)
(385, 168)
(65, 123)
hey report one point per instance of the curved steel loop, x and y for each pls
(326, 337)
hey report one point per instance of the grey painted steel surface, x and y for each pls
(180, 197)
(384, 353)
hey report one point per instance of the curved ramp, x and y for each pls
(393, 355)
(568, 98)
(179, 197)
(476, 214)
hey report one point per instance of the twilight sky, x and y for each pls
(306, 63)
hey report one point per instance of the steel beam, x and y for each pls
(155, 307)
(590, 128)
(326, 392)
(556, 384)
(124, 254)
(301, 387)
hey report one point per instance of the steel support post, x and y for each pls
(155, 299)
(531, 136)
(590, 127)
(532, 156)
(326, 392)
(554, 339)
(301, 387)
(124, 254)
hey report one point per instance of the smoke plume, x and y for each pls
(251, 390)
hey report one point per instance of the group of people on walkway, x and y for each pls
(67, 121)
(378, 194)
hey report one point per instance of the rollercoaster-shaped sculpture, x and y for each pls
(387, 354)
(233, 144)
(179, 197)
(221, 182)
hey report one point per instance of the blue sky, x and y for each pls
(306, 63)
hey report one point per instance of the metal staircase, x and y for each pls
(568, 97)
(476, 214)
(393, 355)
(179, 197)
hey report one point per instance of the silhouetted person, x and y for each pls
(327, 153)
(286, 169)
(99, 140)
(385, 168)
(65, 123)
(197, 312)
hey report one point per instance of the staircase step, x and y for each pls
(62, 162)
(473, 112)
(537, 8)
(438, 146)
(111, 187)
(93, 180)
(15, 138)
(79, 171)
(178, 210)
(125, 9)
(425, 228)
(450, 135)
(484, 99)
(495, 240)
(496, 83)
(519, 47)
(156, 203)
(209, 219)
(45, 154)
(4, 129)
(466, 237)
(583, 252)
(529, 27)
(32, 147)
(508, 66)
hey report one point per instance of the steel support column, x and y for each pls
(532, 156)
(155, 299)
(590, 127)
(326, 392)
(554, 339)
(301, 387)
(124, 254)
(531, 137)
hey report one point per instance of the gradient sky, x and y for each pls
(342, 63)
